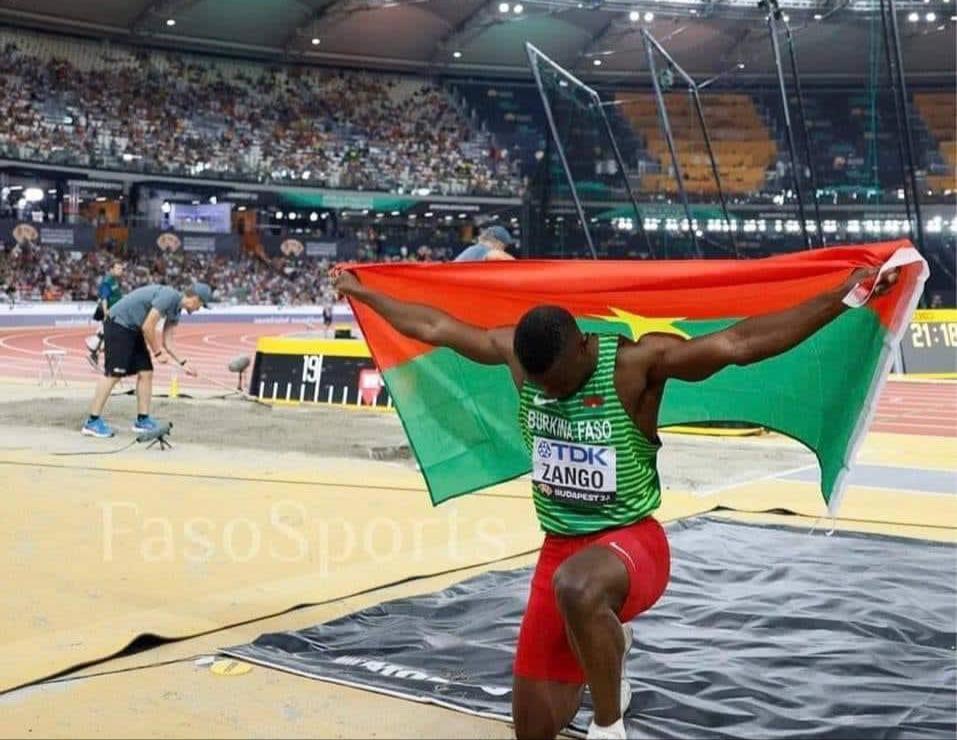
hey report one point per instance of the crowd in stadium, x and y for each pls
(181, 115)
(29, 273)
(104, 106)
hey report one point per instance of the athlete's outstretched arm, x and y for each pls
(753, 339)
(432, 326)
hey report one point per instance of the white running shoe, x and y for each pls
(615, 732)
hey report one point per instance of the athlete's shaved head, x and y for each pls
(542, 335)
(552, 350)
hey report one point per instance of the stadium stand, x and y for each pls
(79, 102)
(855, 143)
(939, 113)
(742, 143)
(513, 114)
(82, 103)
(38, 273)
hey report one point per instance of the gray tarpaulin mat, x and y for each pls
(764, 632)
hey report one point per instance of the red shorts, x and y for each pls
(543, 649)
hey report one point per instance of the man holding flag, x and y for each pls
(588, 415)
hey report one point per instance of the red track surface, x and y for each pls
(209, 347)
(918, 408)
(928, 408)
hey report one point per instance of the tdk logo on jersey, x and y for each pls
(569, 453)
(574, 473)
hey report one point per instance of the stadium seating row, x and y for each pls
(939, 113)
(741, 142)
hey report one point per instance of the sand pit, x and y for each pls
(232, 423)
(687, 463)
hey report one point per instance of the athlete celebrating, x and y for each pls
(588, 412)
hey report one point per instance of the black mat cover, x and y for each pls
(764, 632)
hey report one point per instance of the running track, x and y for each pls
(923, 408)
(208, 347)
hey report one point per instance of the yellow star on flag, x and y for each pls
(640, 325)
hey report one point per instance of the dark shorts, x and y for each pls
(125, 351)
(98, 313)
(543, 649)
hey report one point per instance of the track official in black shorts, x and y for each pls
(133, 339)
(125, 352)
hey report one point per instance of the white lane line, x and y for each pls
(712, 490)
(918, 426)
(5, 343)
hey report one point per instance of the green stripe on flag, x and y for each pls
(814, 393)
(461, 417)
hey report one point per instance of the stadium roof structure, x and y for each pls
(597, 38)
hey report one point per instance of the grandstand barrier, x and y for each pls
(68, 237)
(166, 240)
(298, 370)
(64, 315)
(296, 245)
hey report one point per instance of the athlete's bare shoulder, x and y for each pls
(635, 360)
(636, 357)
(503, 339)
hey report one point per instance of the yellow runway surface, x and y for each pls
(101, 550)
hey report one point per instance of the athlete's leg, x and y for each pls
(542, 709)
(591, 587)
(549, 681)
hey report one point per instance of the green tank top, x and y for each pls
(592, 469)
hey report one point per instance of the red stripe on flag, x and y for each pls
(491, 294)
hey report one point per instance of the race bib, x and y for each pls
(582, 475)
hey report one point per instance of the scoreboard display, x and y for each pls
(929, 346)
(339, 371)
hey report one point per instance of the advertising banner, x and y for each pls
(71, 237)
(168, 241)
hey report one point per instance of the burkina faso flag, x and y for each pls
(462, 418)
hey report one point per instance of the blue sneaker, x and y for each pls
(141, 426)
(98, 428)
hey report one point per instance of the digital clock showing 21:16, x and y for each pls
(926, 334)
(929, 346)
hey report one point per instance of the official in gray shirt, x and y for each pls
(132, 310)
(132, 339)
(491, 246)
